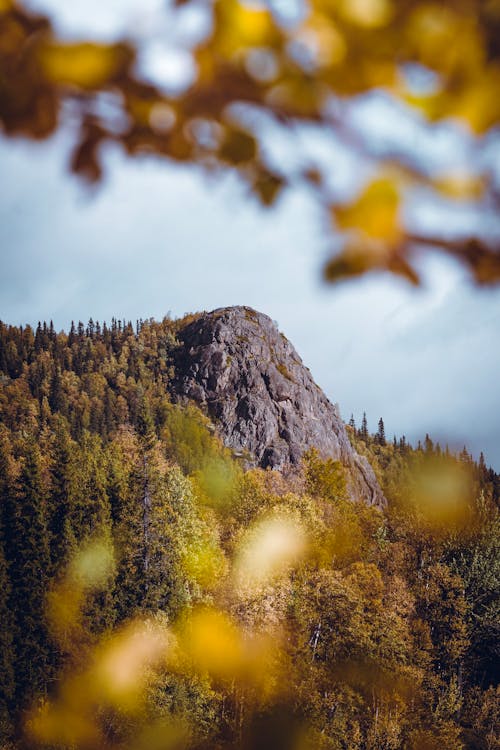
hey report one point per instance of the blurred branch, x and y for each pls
(291, 71)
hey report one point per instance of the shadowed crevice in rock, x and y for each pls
(247, 376)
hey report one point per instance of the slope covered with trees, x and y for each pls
(156, 594)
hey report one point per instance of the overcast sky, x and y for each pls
(156, 239)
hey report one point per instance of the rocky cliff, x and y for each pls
(250, 380)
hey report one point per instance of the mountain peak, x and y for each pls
(247, 376)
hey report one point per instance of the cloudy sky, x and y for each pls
(156, 239)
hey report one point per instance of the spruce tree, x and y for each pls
(7, 653)
(428, 445)
(72, 334)
(381, 432)
(363, 433)
(28, 558)
(58, 509)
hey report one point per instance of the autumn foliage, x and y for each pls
(157, 593)
(258, 64)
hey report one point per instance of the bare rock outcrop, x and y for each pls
(247, 376)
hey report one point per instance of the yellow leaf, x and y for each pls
(444, 40)
(251, 24)
(85, 65)
(367, 13)
(375, 213)
(322, 37)
(460, 186)
(5, 5)
(479, 104)
(239, 26)
(215, 644)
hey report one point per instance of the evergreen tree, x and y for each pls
(28, 559)
(483, 471)
(56, 393)
(59, 510)
(72, 334)
(38, 338)
(380, 437)
(428, 445)
(7, 653)
(363, 433)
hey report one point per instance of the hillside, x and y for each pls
(195, 552)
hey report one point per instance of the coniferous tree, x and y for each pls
(38, 338)
(28, 559)
(56, 392)
(7, 653)
(381, 432)
(465, 456)
(90, 503)
(428, 445)
(363, 433)
(483, 471)
(72, 334)
(59, 511)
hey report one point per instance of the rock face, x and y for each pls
(248, 377)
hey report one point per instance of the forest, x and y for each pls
(158, 593)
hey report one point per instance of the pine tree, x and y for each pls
(483, 471)
(72, 334)
(465, 456)
(28, 558)
(380, 437)
(56, 391)
(7, 652)
(89, 517)
(59, 506)
(363, 433)
(38, 338)
(352, 423)
(428, 445)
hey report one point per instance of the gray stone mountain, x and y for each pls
(246, 375)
